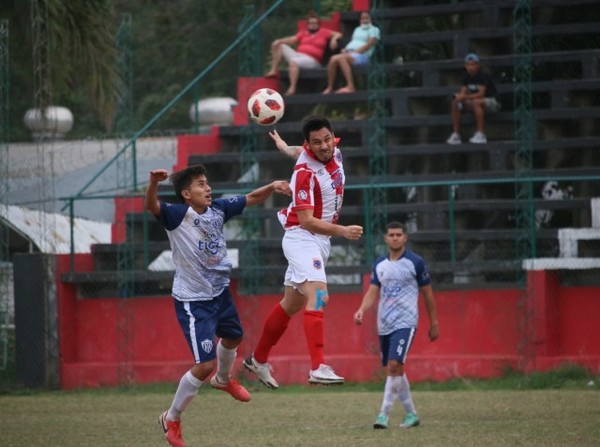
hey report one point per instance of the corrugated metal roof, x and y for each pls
(51, 232)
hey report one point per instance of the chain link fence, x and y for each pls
(459, 205)
(468, 242)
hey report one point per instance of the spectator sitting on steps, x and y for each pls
(477, 94)
(309, 52)
(357, 52)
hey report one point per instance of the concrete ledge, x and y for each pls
(568, 239)
(561, 263)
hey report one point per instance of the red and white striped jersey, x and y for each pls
(315, 186)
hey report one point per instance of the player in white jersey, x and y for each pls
(203, 302)
(317, 186)
(396, 280)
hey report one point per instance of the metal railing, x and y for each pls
(446, 252)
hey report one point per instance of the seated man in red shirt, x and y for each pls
(309, 52)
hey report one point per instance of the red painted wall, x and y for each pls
(360, 5)
(196, 144)
(478, 335)
(124, 205)
(332, 23)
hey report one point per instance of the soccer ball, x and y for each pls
(265, 106)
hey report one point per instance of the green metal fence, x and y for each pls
(460, 254)
(475, 227)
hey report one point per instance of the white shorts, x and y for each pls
(307, 255)
(490, 105)
(303, 60)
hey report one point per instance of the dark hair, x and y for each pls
(183, 179)
(312, 15)
(315, 123)
(394, 225)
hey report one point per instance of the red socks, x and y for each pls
(313, 330)
(274, 327)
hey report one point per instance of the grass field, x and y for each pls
(302, 416)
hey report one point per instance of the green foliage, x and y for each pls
(329, 6)
(8, 374)
(565, 376)
(81, 56)
(83, 53)
(171, 43)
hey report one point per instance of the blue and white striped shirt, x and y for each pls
(399, 282)
(202, 267)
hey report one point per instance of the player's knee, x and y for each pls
(202, 370)
(230, 343)
(292, 303)
(292, 308)
(395, 368)
(319, 304)
(322, 298)
(318, 307)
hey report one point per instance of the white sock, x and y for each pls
(225, 359)
(404, 395)
(186, 391)
(392, 387)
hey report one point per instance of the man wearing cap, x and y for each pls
(478, 95)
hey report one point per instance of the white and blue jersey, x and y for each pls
(202, 269)
(399, 282)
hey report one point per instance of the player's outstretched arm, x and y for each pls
(315, 225)
(368, 301)
(152, 203)
(264, 192)
(291, 151)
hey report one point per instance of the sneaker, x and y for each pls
(233, 387)
(381, 421)
(410, 420)
(324, 375)
(454, 139)
(262, 371)
(478, 138)
(172, 430)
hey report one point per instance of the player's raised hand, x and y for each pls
(279, 142)
(158, 175)
(282, 187)
(291, 151)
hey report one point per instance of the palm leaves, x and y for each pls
(83, 51)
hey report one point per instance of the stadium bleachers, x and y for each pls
(423, 48)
